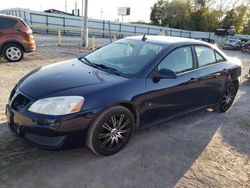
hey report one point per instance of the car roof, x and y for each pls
(9, 16)
(169, 40)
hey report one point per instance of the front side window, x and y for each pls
(180, 60)
(205, 55)
(7, 23)
(126, 56)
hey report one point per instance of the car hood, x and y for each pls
(62, 76)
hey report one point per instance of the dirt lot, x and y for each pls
(205, 149)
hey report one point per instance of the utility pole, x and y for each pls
(76, 14)
(66, 5)
(101, 13)
(84, 30)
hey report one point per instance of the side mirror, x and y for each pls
(164, 74)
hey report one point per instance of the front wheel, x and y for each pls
(111, 131)
(227, 98)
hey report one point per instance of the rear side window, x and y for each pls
(179, 60)
(6, 23)
(205, 55)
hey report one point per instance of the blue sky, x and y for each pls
(140, 9)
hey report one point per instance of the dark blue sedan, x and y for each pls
(103, 98)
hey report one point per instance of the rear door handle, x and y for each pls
(193, 80)
(224, 71)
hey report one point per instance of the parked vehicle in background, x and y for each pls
(231, 31)
(232, 43)
(15, 38)
(226, 31)
(246, 47)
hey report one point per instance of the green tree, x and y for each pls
(236, 17)
(202, 15)
(214, 19)
(173, 14)
(198, 18)
(158, 12)
(246, 24)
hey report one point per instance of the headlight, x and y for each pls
(57, 105)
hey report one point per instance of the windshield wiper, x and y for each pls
(100, 66)
(87, 61)
(109, 69)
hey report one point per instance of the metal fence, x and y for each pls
(42, 22)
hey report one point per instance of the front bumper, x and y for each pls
(49, 132)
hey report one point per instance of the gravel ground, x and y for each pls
(206, 149)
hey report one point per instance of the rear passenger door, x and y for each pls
(211, 73)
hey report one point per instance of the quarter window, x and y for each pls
(7, 23)
(219, 58)
(180, 60)
(205, 55)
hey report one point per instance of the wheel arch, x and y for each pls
(11, 42)
(126, 104)
(133, 109)
(237, 83)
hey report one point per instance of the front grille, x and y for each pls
(19, 102)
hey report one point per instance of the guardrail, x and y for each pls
(70, 25)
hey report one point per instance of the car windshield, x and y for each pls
(125, 56)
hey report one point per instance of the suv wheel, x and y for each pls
(111, 131)
(13, 52)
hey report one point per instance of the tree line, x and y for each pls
(202, 15)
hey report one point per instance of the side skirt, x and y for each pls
(174, 116)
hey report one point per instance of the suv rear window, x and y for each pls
(6, 23)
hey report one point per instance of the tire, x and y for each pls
(227, 98)
(13, 52)
(111, 131)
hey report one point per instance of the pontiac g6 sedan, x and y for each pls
(103, 98)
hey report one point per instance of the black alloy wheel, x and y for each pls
(111, 131)
(228, 98)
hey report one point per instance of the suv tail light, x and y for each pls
(25, 30)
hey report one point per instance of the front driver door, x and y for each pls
(169, 97)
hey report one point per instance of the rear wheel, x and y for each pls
(227, 98)
(13, 52)
(111, 131)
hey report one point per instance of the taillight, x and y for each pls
(25, 30)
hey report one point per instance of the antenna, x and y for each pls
(144, 37)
